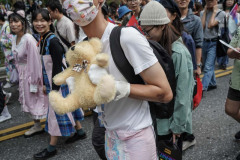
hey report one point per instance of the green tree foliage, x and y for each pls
(4, 1)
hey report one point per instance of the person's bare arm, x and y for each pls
(157, 87)
(213, 22)
(198, 59)
(203, 19)
(232, 54)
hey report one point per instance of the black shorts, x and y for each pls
(233, 94)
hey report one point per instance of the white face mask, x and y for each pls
(82, 12)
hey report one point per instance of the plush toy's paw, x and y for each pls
(54, 97)
(70, 83)
(105, 91)
(102, 59)
(63, 105)
(96, 73)
(58, 80)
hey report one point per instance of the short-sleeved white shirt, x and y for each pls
(128, 114)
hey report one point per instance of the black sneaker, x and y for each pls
(237, 136)
(44, 154)
(75, 137)
(211, 88)
(224, 67)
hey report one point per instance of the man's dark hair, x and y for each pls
(198, 7)
(19, 5)
(113, 5)
(55, 4)
(105, 9)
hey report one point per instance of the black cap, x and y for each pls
(171, 6)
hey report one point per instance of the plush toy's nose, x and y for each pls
(72, 48)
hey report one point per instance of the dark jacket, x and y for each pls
(193, 25)
(189, 42)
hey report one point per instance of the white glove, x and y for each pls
(96, 73)
(70, 83)
(122, 89)
(33, 88)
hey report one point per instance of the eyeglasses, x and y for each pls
(146, 33)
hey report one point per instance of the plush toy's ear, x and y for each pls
(97, 44)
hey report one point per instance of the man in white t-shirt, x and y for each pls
(64, 27)
(129, 132)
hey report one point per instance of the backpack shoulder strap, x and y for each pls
(48, 39)
(120, 59)
(218, 13)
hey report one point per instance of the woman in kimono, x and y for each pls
(27, 59)
(53, 62)
(6, 45)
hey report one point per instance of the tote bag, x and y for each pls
(168, 150)
(224, 36)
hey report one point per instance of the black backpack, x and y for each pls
(158, 110)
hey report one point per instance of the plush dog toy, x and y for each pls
(84, 94)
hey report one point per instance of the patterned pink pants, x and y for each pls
(139, 145)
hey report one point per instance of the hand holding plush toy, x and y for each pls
(84, 93)
(95, 74)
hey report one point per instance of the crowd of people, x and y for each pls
(35, 41)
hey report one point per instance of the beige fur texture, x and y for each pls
(85, 94)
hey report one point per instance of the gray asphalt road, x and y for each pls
(213, 129)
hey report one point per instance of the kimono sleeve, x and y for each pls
(34, 65)
(6, 39)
